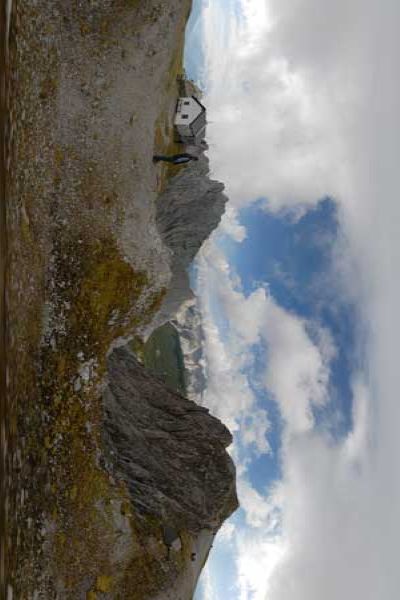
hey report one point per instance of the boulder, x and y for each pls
(170, 451)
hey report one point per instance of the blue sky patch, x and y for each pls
(293, 257)
(194, 51)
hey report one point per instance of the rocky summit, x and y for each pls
(188, 211)
(170, 451)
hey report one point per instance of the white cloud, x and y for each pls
(231, 226)
(297, 369)
(304, 103)
(358, 441)
(226, 532)
(258, 510)
(296, 372)
(229, 394)
(255, 430)
(257, 557)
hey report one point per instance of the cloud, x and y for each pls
(231, 226)
(312, 523)
(229, 393)
(269, 131)
(257, 556)
(258, 510)
(255, 429)
(296, 374)
(296, 371)
(304, 103)
(226, 532)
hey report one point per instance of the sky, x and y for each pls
(300, 295)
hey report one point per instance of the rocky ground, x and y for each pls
(93, 89)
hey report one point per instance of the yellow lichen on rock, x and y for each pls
(111, 287)
(104, 583)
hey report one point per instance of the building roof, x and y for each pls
(199, 103)
(200, 121)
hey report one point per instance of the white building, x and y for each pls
(190, 120)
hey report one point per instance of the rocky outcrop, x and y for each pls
(91, 93)
(188, 211)
(170, 451)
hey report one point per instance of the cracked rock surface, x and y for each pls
(170, 451)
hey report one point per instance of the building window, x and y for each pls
(185, 116)
(186, 103)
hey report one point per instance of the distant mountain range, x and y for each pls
(188, 324)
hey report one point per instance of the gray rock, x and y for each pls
(170, 451)
(188, 211)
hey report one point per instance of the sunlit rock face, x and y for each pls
(170, 451)
(188, 211)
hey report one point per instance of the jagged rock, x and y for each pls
(170, 451)
(188, 211)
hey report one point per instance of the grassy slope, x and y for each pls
(162, 354)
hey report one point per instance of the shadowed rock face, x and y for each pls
(170, 451)
(188, 211)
